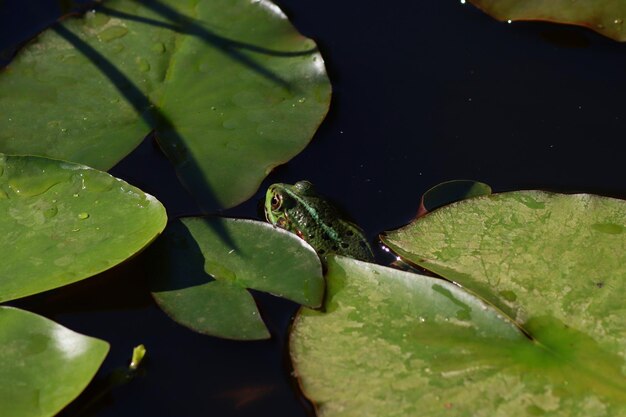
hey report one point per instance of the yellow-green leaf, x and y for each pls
(391, 343)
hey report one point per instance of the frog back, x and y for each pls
(328, 231)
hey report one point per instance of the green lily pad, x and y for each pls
(43, 365)
(449, 192)
(202, 267)
(604, 16)
(392, 343)
(531, 253)
(231, 88)
(61, 222)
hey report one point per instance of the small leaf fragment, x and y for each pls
(603, 16)
(138, 354)
(449, 192)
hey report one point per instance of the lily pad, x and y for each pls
(44, 366)
(231, 88)
(203, 267)
(604, 16)
(61, 222)
(532, 253)
(449, 192)
(392, 343)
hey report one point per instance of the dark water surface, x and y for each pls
(424, 92)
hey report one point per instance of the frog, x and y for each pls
(299, 209)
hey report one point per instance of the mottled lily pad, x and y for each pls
(604, 16)
(43, 365)
(392, 343)
(61, 222)
(203, 267)
(231, 88)
(532, 253)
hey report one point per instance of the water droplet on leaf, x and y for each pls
(142, 64)
(159, 47)
(95, 19)
(50, 212)
(113, 32)
(30, 186)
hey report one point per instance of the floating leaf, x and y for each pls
(449, 192)
(204, 265)
(230, 86)
(392, 343)
(43, 365)
(62, 222)
(532, 253)
(603, 16)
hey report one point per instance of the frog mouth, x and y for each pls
(276, 220)
(281, 220)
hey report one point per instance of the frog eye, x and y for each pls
(276, 202)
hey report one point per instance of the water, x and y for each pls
(423, 92)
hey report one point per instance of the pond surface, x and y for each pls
(424, 92)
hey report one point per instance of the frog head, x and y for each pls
(283, 202)
(299, 209)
